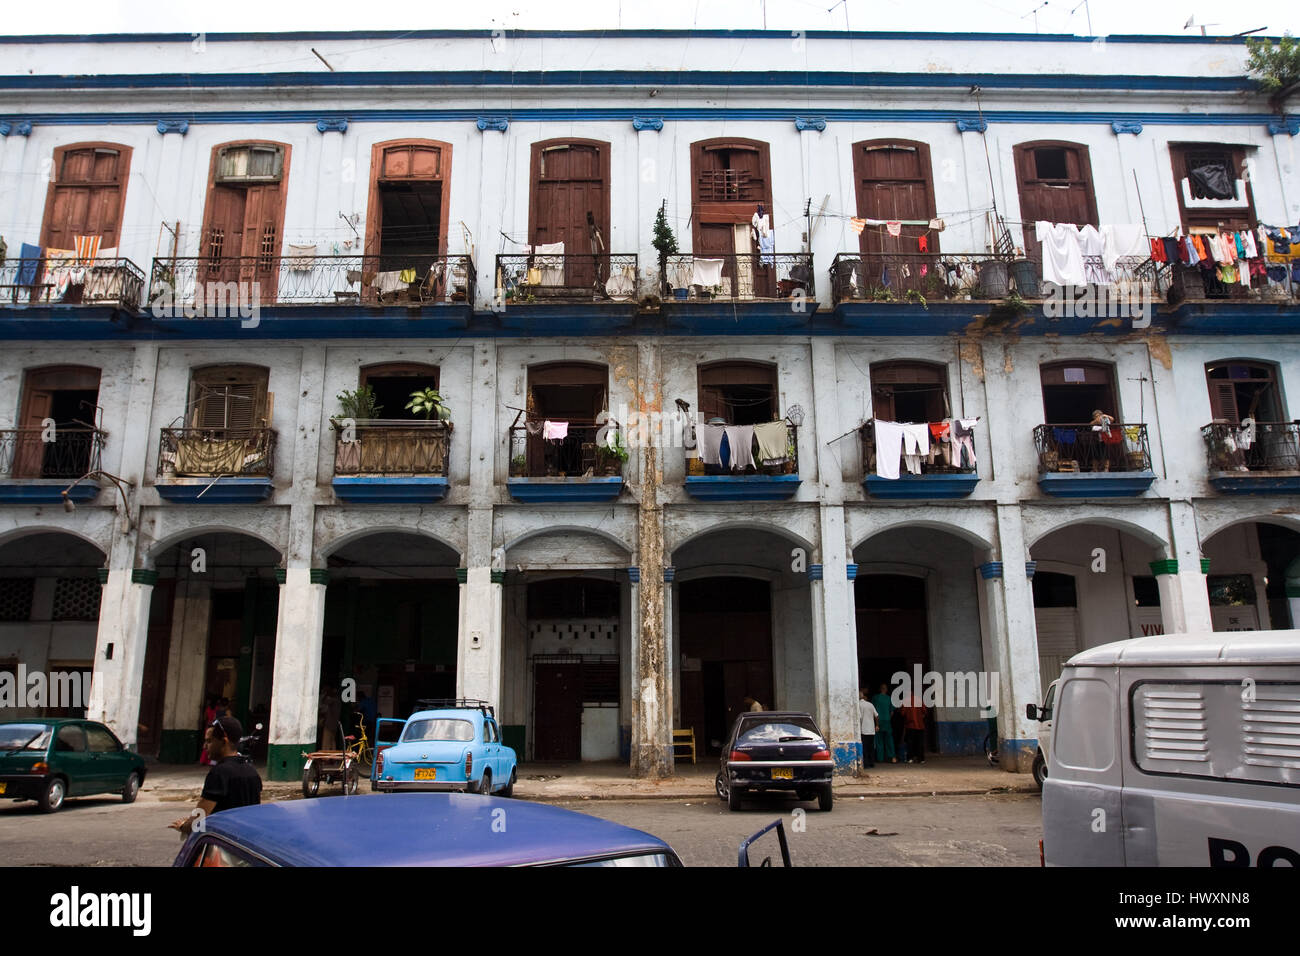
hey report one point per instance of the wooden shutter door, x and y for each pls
(1223, 401)
(569, 182)
(1069, 200)
(29, 455)
(224, 236)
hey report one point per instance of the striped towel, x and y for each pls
(858, 225)
(87, 248)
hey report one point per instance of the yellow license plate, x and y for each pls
(426, 773)
(2, 787)
(782, 773)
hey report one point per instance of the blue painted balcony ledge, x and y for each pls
(1096, 484)
(742, 487)
(218, 491)
(391, 489)
(1256, 482)
(45, 491)
(922, 487)
(725, 316)
(565, 490)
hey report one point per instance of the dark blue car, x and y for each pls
(418, 829)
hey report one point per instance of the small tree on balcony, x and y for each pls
(428, 402)
(665, 243)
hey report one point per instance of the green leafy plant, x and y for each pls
(359, 404)
(915, 296)
(880, 294)
(428, 402)
(518, 464)
(1014, 302)
(1277, 68)
(616, 448)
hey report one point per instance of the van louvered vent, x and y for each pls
(1270, 727)
(1173, 725)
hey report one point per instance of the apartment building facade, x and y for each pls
(230, 266)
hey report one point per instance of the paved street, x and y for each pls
(994, 830)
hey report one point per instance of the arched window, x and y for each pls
(229, 398)
(86, 195)
(1244, 389)
(243, 220)
(730, 179)
(1072, 391)
(741, 393)
(556, 436)
(909, 392)
(393, 383)
(406, 222)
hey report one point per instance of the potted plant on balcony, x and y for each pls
(665, 243)
(428, 402)
(613, 456)
(355, 407)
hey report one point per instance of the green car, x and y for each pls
(50, 759)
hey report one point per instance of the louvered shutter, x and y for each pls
(1223, 402)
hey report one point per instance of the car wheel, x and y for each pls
(826, 799)
(734, 796)
(52, 797)
(132, 788)
(509, 789)
(1040, 769)
(720, 785)
(485, 783)
(311, 781)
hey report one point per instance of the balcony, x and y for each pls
(938, 480)
(35, 471)
(383, 461)
(567, 292)
(117, 283)
(1085, 461)
(1263, 458)
(571, 468)
(705, 294)
(215, 466)
(891, 293)
(767, 479)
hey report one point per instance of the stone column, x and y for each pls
(975, 166)
(187, 660)
(295, 684)
(12, 156)
(120, 650)
(1184, 599)
(1014, 640)
(652, 190)
(492, 173)
(480, 644)
(630, 641)
(1126, 134)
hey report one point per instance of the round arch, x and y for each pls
(359, 534)
(966, 534)
(1123, 525)
(772, 530)
(163, 544)
(1208, 529)
(9, 537)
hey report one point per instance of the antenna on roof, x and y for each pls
(1191, 22)
(1034, 13)
(1087, 11)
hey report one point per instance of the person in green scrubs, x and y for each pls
(885, 735)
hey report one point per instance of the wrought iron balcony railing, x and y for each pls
(945, 276)
(1080, 448)
(540, 278)
(73, 452)
(773, 463)
(116, 282)
(1262, 446)
(776, 275)
(216, 452)
(392, 447)
(938, 462)
(207, 285)
(575, 454)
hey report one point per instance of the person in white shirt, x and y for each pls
(870, 722)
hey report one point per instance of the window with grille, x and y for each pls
(76, 599)
(16, 598)
(250, 164)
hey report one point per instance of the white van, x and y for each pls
(1177, 750)
(1043, 714)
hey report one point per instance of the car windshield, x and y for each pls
(24, 737)
(439, 728)
(776, 731)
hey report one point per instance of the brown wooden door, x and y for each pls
(30, 453)
(86, 197)
(571, 180)
(894, 183)
(557, 711)
(1055, 181)
(224, 237)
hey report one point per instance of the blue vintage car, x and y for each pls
(418, 829)
(444, 745)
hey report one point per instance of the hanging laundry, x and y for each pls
(922, 244)
(1092, 245)
(622, 283)
(709, 439)
(741, 440)
(916, 444)
(1248, 240)
(87, 248)
(1062, 254)
(857, 225)
(554, 431)
(406, 276)
(1133, 433)
(386, 282)
(533, 428)
(706, 272)
(767, 249)
(29, 262)
(761, 224)
(889, 448)
(939, 446)
(963, 445)
(1158, 251)
(894, 228)
(1122, 242)
(773, 441)
(937, 225)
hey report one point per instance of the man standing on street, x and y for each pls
(232, 782)
(869, 720)
(884, 732)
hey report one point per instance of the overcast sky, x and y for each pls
(1054, 16)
